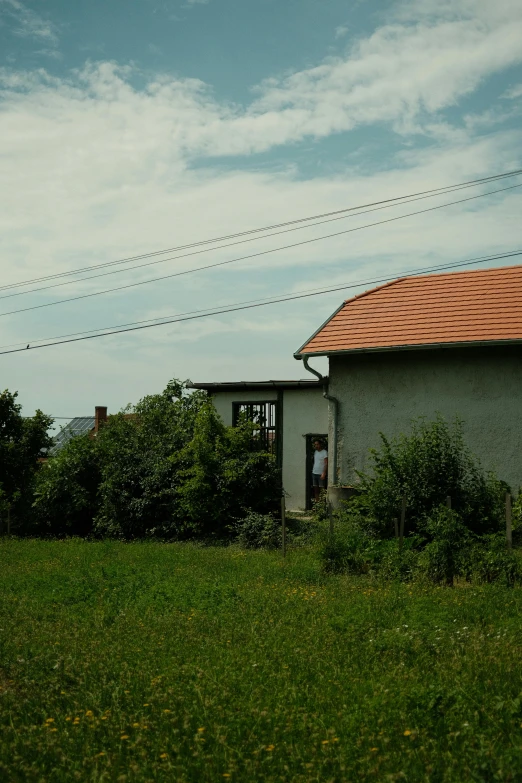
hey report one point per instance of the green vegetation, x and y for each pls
(21, 442)
(170, 470)
(425, 470)
(426, 466)
(161, 662)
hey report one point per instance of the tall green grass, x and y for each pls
(153, 662)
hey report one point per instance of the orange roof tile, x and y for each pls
(483, 305)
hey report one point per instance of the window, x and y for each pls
(264, 416)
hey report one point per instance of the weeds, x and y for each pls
(158, 662)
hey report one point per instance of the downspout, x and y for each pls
(335, 416)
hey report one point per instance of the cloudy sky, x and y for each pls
(132, 127)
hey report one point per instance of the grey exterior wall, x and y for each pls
(382, 392)
(304, 411)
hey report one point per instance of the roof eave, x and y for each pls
(417, 347)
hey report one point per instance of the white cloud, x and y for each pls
(28, 23)
(513, 92)
(341, 31)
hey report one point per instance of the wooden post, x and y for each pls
(283, 523)
(396, 523)
(448, 501)
(509, 532)
(403, 517)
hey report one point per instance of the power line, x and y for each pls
(271, 300)
(257, 255)
(406, 200)
(397, 199)
(196, 314)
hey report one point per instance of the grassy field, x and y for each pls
(150, 662)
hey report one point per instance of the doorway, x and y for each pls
(310, 438)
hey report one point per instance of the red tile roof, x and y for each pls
(483, 305)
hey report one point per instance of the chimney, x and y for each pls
(100, 416)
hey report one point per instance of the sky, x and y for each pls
(132, 127)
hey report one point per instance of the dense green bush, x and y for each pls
(171, 469)
(259, 531)
(66, 493)
(426, 466)
(489, 560)
(443, 557)
(22, 441)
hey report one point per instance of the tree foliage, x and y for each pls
(167, 468)
(22, 442)
(426, 466)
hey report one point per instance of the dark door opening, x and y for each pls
(310, 438)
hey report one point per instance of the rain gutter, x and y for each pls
(335, 413)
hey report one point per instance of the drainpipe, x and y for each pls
(335, 405)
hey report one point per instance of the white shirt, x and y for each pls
(319, 458)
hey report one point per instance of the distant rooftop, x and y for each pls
(78, 426)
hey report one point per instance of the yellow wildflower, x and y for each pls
(325, 742)
(164, 755)
(89, 714)
(201, 729)
(270, 748)
(407, 733)
(124, 736)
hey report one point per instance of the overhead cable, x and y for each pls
(209, 312)
(397, 200)
(258, 254)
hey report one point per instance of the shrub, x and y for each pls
(442, 556)
(259, 531)
(426, 466)
(490, 560)
(22, 442)
(344, 551)
(171, 470)
(66, 494)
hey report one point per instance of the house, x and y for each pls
(448, 343)
(290, 414)
(78, 426)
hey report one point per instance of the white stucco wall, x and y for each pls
(305, 411)
(384, 391)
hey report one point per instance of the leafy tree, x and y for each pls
(426, 466)
(22, 442)
(169, 468)
(66, 495)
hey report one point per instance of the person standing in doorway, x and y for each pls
(320, 468)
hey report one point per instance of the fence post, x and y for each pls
(448, 501)
(396, 523)
(509, 531)
(403, 517)
(283, 522)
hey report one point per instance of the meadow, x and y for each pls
(176, 662)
